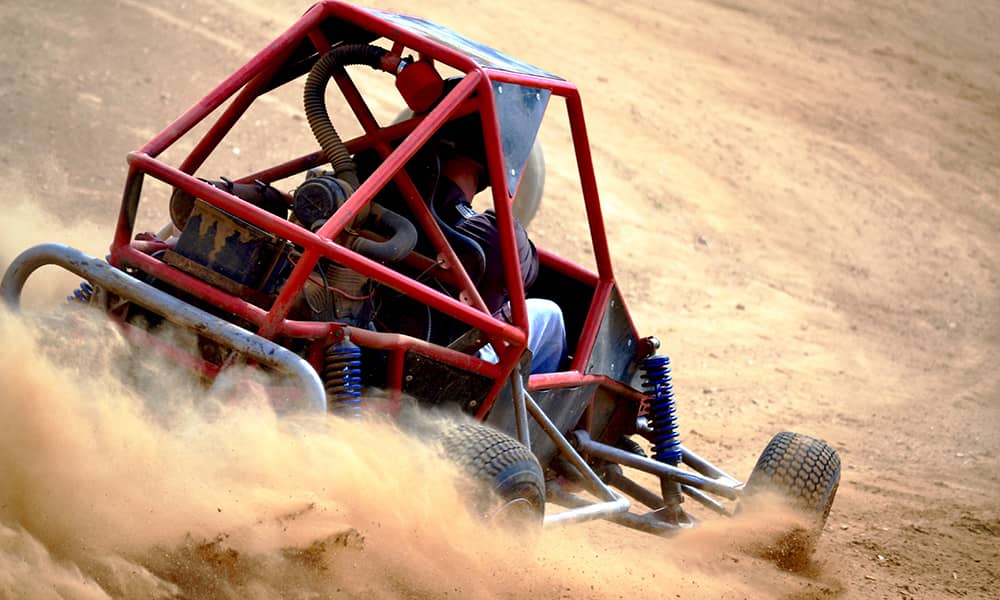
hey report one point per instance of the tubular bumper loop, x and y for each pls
(176, 311)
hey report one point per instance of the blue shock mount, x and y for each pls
(342, 379)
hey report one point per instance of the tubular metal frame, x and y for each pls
(237, 93)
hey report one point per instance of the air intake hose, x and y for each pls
(402, 236)
(329, 140)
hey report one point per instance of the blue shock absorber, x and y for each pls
(82, 294)
(659, 388)
(342, 379)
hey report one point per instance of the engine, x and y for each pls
(249, 262)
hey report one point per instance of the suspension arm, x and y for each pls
(589, 447)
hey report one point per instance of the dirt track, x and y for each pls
(803, 204)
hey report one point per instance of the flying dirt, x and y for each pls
(802, 201)
(111, 492)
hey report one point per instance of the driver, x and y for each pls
(462, 174)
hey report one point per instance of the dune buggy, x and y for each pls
(352, 284)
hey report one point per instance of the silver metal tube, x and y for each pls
(606, 452)
(176, 311)
(706, 468)
(520, 412)
(705, 500)
(647, 523)
(589, 512)
(614, 503)
(567, 449)
(618, 479)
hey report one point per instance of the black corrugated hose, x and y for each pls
(329, 140)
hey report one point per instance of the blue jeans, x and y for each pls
(546, 337)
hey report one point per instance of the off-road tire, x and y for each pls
(509, 487)
(631, 446)
(806, 472)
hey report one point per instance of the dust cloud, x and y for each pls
(120, 476)
(30, 220)
(108, 491)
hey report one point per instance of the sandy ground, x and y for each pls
(802, 203)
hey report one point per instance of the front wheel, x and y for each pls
(806, 472)
(508, 481)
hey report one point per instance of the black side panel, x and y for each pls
(615, 349)
(435, 383)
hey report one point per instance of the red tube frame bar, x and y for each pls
(248, 83)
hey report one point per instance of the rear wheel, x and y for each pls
(508, 484)
(806, 472)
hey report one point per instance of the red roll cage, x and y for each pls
(325, 25)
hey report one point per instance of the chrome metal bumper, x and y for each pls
(176, 311)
